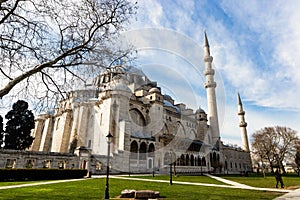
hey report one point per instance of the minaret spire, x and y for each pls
(243, 124)
(239, 100)
(210, 86)
(206, 44)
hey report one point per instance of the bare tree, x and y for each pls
(297, 159)
(47, 46)
(273, 145)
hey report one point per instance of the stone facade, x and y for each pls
(236, 160)
(149, 130)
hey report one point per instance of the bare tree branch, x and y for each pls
(274, 145)
(48, 38)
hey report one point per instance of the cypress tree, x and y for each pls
(18, 127)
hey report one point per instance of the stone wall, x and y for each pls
(36, 159)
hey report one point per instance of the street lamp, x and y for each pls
(171, 167)
(201, 155)
(109, 140)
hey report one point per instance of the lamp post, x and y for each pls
(109, 139)
(201, 155)
(171, 167)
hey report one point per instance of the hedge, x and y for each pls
(40, 174)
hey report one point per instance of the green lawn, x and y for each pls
(291, 182)
(94, 189)
(196, 179)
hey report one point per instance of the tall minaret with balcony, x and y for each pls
(243, 125)
(210, 86)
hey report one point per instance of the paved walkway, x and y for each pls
(290, 194)
(38, 183)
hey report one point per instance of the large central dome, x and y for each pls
(129, 74)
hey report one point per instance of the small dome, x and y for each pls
(154, 90)
(199, 110)
(169, 104)
(167, 97)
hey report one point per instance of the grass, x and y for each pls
(194, 179)
(290, 182)
(94, 189)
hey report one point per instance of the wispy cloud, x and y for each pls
(272, 33)
(256, 48)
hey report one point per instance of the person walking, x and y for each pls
(278, 178)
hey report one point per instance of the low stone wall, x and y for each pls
(34, 159)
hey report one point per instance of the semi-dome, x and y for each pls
(154, 90)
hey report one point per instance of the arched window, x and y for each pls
(182, 160)
(165, 130)
(143, 151)
(150, 163)
(151, 150)
(203, 161)
(192, 160)
(133, 150)
(137, 117)
(214, 157)
(167, 158)
(187, 160)
(180, 130)
(57, 124)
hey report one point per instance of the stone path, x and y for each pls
(38, 183)
(290, 194)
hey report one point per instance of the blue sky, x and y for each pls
(256, 50)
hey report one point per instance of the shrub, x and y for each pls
(40, 174)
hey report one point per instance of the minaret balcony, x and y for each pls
(243, 124)
(208, 59)
(210, 85)
(209, 72)
(241, 113)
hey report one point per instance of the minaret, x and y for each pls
(243, 124)
(210, 86)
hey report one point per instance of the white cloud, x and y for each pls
(255, 46)
(149, 14)
(275, 32)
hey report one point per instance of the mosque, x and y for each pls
(150, 132)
